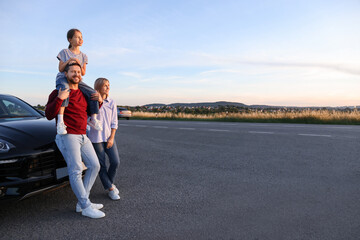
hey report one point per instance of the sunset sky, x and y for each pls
(280, 52)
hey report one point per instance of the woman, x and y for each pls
(104, 141)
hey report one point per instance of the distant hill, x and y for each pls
(236, 104)
(155, 105)
(203, 104)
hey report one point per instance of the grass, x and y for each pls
(306, 116)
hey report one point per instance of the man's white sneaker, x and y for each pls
(61, 128)
(97, 206)
(92, 212)
(113, 195)
(96, 124)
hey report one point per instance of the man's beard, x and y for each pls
(73, 81)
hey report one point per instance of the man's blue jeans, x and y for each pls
(76, 148)
(106, 175)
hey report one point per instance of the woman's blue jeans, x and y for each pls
(107, 175)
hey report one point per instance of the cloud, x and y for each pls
(131, 74)
(25, 72)
(231, 61)
(220, 71)
(161, 78)
(335, 67)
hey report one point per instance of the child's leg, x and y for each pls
(92, 104)
(61, 112)
(62, 83)
(87, 91)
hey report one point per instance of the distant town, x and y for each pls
(230, 107)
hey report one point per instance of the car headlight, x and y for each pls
(5, 146)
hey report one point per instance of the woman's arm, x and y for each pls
(113, 125)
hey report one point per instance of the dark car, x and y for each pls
(124, 113)
(29, 159)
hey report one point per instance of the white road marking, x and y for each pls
(187, 128)
(160, 127)
(140, 126)
(261, 132)
(294, 126)
(313, 135)
(120, 124)
(218, 130)
(261, 125)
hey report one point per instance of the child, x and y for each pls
(73, 54)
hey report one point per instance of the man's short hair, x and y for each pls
(71, 64)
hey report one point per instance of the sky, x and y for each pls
(279, 52)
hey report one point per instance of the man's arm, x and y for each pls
(53, 105)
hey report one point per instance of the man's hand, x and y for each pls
(97, 97)
(63, 93)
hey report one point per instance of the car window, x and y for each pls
(12, 107)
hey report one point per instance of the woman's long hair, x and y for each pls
(99, 83)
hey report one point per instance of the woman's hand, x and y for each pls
(110, 143)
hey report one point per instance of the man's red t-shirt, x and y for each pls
(75, 115)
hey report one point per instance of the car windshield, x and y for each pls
(12, 107)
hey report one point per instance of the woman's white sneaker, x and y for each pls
(113, 195)
(97, 206)
(92, 212)
(115, 189)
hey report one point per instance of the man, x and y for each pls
(75, 146)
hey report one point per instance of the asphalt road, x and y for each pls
(212, 180)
